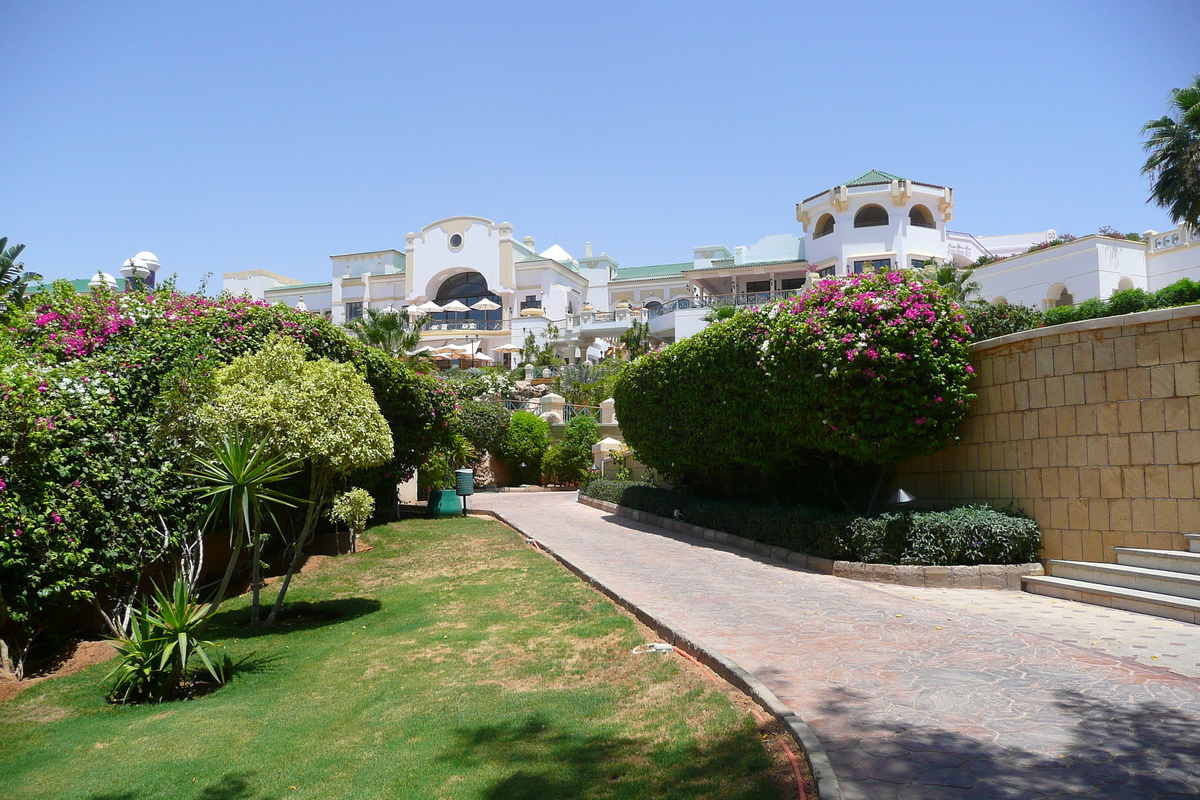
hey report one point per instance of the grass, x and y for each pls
(452, 661)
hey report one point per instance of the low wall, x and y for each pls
(1092, 428)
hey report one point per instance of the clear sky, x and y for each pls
(227, 136)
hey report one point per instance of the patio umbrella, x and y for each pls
(508, 348)
(419, 350)
(429, 307)
(485, 305)
(482, 357)
(455, 305)
(414, 312)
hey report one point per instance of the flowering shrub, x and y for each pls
(989, 320)
(871, 368)
(98, 397)
(875, 365)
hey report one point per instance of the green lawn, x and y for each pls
(452, 661)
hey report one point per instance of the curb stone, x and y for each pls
(828, 787)
(983, 576)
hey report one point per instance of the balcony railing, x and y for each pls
(463, 325)
(1176, 238)
(603, 316)
(714, 301)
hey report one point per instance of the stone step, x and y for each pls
(1193, 542)
(1183, 609)
(1167, 560)
(1176, 584)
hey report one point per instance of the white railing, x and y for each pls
(1180, 237)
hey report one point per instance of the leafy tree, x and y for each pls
(320, 411)
(390, 331)
(13, 280)
(1173, 163)
(541, 355)
(354, 508)
(955, 283)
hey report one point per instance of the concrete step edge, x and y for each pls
(1100, 588)
(1124, 569)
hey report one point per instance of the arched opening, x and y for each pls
(1000, 301)
(1123, 284)
(467, 288)
(652, 304)
(824, 226)
(920, 216)
(870, 217)
(1059, 297)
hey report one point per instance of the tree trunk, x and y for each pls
(233, 559)
(318, 486)
(256, 573)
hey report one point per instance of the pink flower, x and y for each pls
(970, 369)
(920, 420)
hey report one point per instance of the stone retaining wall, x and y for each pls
(1092, 428)
(985, 576)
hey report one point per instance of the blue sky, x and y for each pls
(227, 136)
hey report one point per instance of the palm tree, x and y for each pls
(955, 283)
(1173, 163)
(389, 330)
(13, 282)
(237, 478)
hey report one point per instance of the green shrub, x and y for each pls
(569, 462)
(1092, 308)
(989, 320)
(1129, 301)
(483, 424)
(1060, 314)
(969, 535)
(1182, 292)
(525, 442)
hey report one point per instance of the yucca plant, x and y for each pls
(237, 478)
(157, 645)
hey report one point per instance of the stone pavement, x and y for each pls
(916, 693)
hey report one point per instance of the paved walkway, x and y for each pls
(917, 693)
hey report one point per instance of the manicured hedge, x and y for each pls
(960, 536)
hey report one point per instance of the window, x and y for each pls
(652, 304)
(870, 217)
(824, 226)
(456, 241)
(827, 272)
(758, 286)
(468, 288)
(530, 301)
(353, 311)
(916, 263)
(1061, 299)
(920, 216)
(792, 283)
(872, 265)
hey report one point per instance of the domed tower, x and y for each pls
(876, 221)
(141, 268)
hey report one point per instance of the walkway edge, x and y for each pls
(828, 787)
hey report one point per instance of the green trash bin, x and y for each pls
(444, 503)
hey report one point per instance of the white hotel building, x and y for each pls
(874, 221)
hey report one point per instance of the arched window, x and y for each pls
(467, 288)
(920, 216)
(1059, 297)
(824, 226)
(652, 304)
(1124, 284)
(870, 217)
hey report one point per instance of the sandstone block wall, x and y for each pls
(1092, 428)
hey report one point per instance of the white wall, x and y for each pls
(1171, 256)
(254, 282)
(1088, 267)
(433, 260)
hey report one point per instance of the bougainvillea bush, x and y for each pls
(876, 365)
(865, 370)
(98, 397)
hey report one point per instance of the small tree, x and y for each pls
(636, 340)
(524, 445)
(567, 462)
(13, 280)
(353, 508)
(1173, 163)
(320, 411)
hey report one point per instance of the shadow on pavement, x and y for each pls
(1138, 750)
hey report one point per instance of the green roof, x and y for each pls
(874, 176)
(79, 284)
(652, 271)
(294, 286)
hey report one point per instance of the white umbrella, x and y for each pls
(429, 307)
(508, 348)
(483, 357)
(485, 305)
(454, 305)
(419, 350)
(414, 312)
